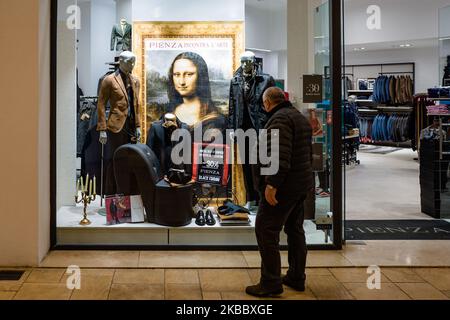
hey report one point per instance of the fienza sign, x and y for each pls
(374, 17)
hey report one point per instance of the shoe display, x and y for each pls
(296, 285)
(200, 220)
(260, 292)
(209, 218)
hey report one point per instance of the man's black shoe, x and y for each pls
(260, 292)
(200, 220)
(209, 219)
(296, 285)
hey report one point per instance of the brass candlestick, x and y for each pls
(87, 196)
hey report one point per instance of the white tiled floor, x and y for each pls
(384, 187)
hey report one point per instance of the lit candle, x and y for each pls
(90, 187)
(95, 186)
(87, 183)
(82, 184)
(78, 187)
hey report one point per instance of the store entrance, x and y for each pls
(395, 126)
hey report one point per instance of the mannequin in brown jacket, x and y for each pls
(121, 89)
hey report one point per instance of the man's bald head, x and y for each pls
(272, 97)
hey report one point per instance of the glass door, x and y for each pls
(327, 128)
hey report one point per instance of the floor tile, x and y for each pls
(92, 259)
(192, 259)
(95, 285)
(7, 295)
(387, 173)
(141, 276)
(183, 292)
(318, 272)
(422, 291)
(327, 259)
(291, 294)
(255, 275)
(327, 288)
(136, 292)
(178, 276)
(45, 276)
(402, 275)
(399, 253)
(14, 285)
(43, 291)
(389, 291)
(439, 278)
(210, 295)
(224, 280)
(355, 275)
(237, 296)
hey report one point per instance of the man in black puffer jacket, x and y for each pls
(282, 196)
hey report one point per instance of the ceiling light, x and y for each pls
(359, 49)
(406, 45)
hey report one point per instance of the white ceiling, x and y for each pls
(420, 43)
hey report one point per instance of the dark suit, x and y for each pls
(122, 38)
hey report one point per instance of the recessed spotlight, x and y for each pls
(359, 49)
(406, 45)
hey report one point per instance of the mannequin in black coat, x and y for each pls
(246, 107)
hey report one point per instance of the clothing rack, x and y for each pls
(373, 70)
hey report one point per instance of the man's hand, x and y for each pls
(270, 194)
(103, 137)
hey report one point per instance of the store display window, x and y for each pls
(154, 118)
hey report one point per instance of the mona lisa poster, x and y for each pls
(186, 69)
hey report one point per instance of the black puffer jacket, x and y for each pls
(295, 175)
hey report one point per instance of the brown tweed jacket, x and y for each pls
(113, 90)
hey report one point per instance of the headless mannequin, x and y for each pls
(248, 64)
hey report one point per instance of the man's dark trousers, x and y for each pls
(270, 221)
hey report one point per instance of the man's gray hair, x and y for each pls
(275, 95)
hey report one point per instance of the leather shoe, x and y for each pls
(296, 285)
(210, 221)
(200, 220)
(260, 292)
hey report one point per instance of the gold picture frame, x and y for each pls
(180, 30)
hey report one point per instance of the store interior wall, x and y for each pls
(25, 198)
(266, 34)
(401, 20)
(426, 60)
(412, 22)
(66, 102)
